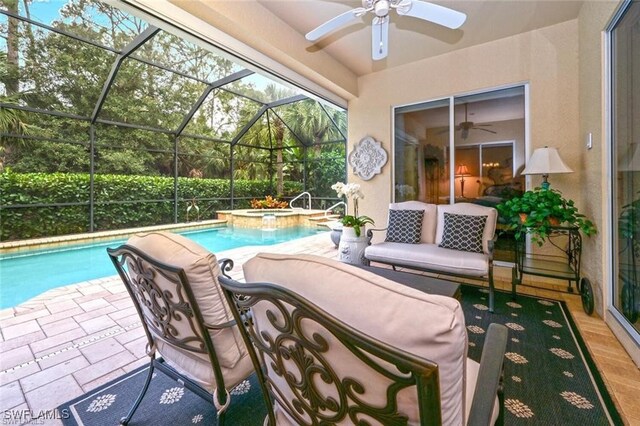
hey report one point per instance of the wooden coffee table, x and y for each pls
(419, 282)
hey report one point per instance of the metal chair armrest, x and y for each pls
(226, 265)
(489, 382)
(227, 324)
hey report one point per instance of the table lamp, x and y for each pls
(461, 172)
(545, 161)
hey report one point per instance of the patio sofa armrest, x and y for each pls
(370, 233)
(491, 246)
(489, 383)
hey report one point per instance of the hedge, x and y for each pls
(117, 202)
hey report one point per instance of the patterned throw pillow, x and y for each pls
(405, 226)
(463, 232)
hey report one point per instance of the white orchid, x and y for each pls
(352, 190)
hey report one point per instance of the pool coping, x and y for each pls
(50, 242)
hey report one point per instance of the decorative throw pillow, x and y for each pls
(463, 232)
(405, 226)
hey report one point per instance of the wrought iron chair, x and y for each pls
(315, 368)
(173, 283)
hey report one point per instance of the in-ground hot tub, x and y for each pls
(284, 218)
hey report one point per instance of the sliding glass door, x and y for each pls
(625, 165)
(462, 149)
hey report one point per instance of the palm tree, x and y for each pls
(11, 120)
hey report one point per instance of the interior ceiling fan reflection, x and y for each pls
(380, 30)
(467, 125)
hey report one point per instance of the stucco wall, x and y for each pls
(547, 59)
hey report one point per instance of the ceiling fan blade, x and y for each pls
(335, 23)
(380, 38)
(486, 130)
(484, 125)
(432, 12)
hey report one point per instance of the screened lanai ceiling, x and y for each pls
(102, 65)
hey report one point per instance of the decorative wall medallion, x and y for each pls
(367, 158)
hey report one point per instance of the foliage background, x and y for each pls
(47, 159)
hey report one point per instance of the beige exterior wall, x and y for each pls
(547, 59)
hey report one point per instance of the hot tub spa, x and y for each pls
(284, 218)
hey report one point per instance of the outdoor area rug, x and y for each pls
(549, 378)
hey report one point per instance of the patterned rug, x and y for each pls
(549, 378)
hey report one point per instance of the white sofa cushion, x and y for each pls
(428, 220)
(427, 325)
(431, 257)
(202, 270)
(471, 210)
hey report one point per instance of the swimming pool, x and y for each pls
(27, 274)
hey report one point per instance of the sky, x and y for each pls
(45, 10)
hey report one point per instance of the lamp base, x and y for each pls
(545, 183)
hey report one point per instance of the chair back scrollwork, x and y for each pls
(315, 369)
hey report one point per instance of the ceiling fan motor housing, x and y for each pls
(381, 8)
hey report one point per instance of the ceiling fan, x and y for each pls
(467, 125)
(380, 30)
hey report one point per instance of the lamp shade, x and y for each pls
(462, 170)
(545, 161)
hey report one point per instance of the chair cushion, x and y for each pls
(202, 270)
(429, 219)
(463, 232)
(404, 226)
(468, 209)
(427, 325)
(429, 257)
(198, 369)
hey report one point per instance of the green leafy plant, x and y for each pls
(537, 211)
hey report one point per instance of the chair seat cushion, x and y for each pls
(429, 257)
(199, 370)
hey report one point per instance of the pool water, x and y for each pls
(27, 274)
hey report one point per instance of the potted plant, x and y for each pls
(537, 211)
(357, 223)
(269, 203)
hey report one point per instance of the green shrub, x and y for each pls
(120, 201)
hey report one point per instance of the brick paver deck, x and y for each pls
(73, 339)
